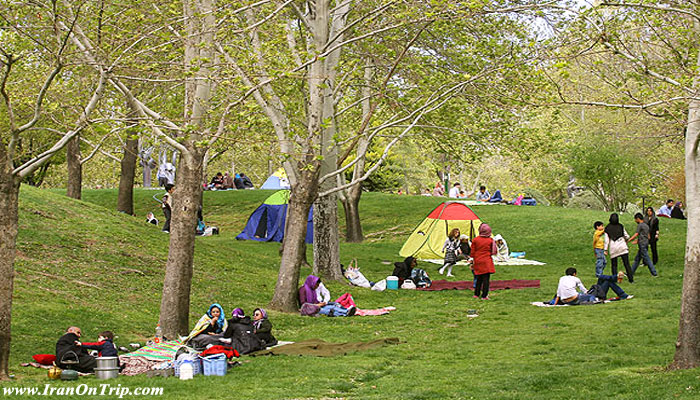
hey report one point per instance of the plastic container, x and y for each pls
(392, 282)
(159, 334)
(196, 366)
(186, 370)
(214, 365)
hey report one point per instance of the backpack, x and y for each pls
(420, 278)
(597, 291)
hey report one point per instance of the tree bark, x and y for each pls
(175, 303)
(294, 251)
(125, 199)
(688, 344)
(353, 225)
(9, 193)
(326, 242)
(75, 169)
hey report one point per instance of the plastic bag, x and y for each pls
(380, 286)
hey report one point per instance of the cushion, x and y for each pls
(44, 359)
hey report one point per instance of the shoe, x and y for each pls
(441, 270)
(450, 275)
(486, 298)
(351, 311)
(631, 296)
(655, 276)
(476, 297)
(166, 231)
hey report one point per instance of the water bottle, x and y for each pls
(186, 370)
(159, 334)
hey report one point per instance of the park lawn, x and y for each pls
(81, 263)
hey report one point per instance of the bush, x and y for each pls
(537, 195)
(585, 200)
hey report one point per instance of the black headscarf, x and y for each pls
(403, 269)
(615, 230)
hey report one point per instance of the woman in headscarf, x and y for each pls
(402, 269)
(263, 327)
(616, 244)
(315, 298)
(240, 332)
(653, 222)
(483, 247)
(677, 211)
(209, 328)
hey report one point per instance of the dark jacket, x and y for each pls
(264, 333)
(402, 270)
(240, 331)
(67, 350)
(106, 348)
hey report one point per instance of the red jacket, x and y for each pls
(482, 250)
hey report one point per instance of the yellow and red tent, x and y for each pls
(427, 239)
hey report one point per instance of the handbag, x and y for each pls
(408, 284)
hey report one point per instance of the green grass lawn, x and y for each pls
(80, 262)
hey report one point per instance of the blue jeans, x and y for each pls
(582, 298)
(599, 261)
(333, 309)
(643, 255)
(610, 282)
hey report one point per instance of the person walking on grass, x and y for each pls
(483, 248)
(168, 206)
(616, 245)
(451, 248)
(642, 236)
(599, 237)
(653, 222)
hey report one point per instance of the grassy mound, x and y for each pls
(81, 263)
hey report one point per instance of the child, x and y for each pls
(263, 327)
(450, 248)
(483, 248)
(104, 345)
(642, 236)
(503, 251)
(599, 238)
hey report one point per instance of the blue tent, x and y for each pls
(277, 181)
(266, 223)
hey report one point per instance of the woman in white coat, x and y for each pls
(616, 245)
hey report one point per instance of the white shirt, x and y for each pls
(664, 210)
(454, 192)
(567, 287)
(322, 294)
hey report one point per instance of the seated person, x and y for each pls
(665, 210)
(209, 329)
(238, 182)
(104, 345)
(217, 182)
(263, 327)
(402, 269)
(246, 182)
(240, 333)
(496, 198)
(465, 248)
(70, 355)
(483, 194)
(228, 182)
(315, 299)
(567, 293)
(503, 251)
(677, 211)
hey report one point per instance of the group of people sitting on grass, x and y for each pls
(72, 353)
(239, 332)
(226, 182)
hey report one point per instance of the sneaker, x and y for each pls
(631, 296)
(486, 298)
(441, 270)
(450, 275)
(475, 296)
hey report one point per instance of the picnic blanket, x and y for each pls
(511, 261)
(164, 351)
(610, 300)
(495, 285)
(320, 348)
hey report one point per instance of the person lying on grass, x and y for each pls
(567, 293)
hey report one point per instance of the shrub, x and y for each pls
(586, 200)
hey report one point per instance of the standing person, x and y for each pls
(483, 194)
(439, 190)
(653, 222)
(599, 238)
(616, 245)
(454, 192)
(451, 247)
(665, 210)
(168, 206)
(483, 247)
(642, 236)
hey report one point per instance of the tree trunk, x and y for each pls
(9, 193)
(326, 246)
(75, 169)
(175, 303)
(125, 200)
(294, 251)
(688, 343)
(353, 225)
